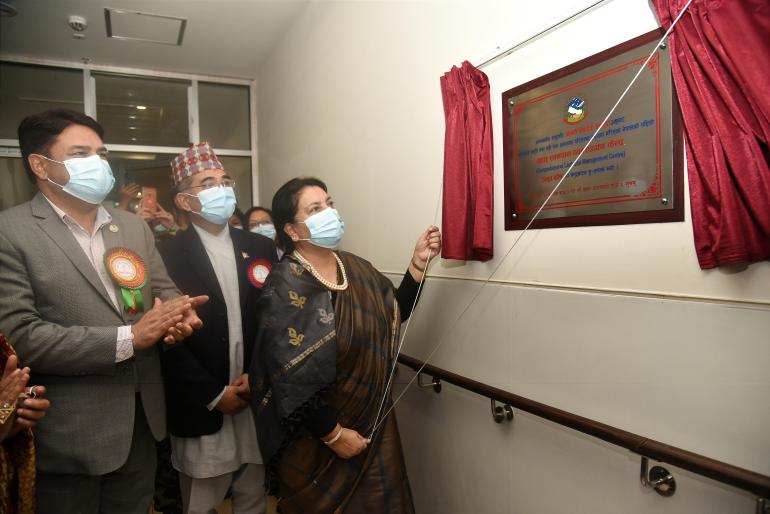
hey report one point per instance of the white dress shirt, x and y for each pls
(236, 443)
(93, 246)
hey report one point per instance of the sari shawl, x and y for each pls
(17, 461)
(314, 349)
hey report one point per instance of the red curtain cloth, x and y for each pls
(468, 203)
(720, 56)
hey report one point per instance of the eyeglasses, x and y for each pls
(209, 185)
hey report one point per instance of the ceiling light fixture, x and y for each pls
(141, 107)
(139, 156)
(141, 26)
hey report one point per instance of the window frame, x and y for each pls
(10, 147)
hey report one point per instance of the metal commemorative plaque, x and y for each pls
(630, 173)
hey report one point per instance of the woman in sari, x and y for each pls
(20, 410)
(329, 325)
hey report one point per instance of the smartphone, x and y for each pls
(149, 198)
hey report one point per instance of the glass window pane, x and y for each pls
(153, 170)
(239, 169)
(146, 169)
(17, 188)
(27, 89)
(224, 115)
(142, 111)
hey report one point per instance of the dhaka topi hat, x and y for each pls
(199, 157)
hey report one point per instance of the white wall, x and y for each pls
(614, 323)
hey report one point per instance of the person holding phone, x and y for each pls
(143, 201)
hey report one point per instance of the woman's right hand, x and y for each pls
(349, 444)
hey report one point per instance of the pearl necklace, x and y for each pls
(314, 272)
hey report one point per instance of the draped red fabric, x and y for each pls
(468, 204)
(720, 56)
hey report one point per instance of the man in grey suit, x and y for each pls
(85, 297)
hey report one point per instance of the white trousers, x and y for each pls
(204, 495)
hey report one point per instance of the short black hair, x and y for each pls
(37, 132)
(285, 206)
(257, 208)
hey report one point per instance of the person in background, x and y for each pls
(329, 324)
(213, 437)
(21, 408)
(260, 221)
(161, 221)
(129, 196)
(85, 298)
(237, 220)
(181, 217)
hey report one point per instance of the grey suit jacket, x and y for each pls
(56, 313)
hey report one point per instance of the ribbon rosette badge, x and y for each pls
(257, 271)
(128, 271)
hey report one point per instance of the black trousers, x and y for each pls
(127, 490)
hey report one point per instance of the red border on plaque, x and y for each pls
(654, 66)
(514, 205)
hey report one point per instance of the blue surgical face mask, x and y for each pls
(217, 204)
(91, 178)
(265, 229)
(326, 228)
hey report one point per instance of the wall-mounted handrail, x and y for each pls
(720, 471)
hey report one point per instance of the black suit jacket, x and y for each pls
(196, 370)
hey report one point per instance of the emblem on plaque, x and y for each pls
(575, 110)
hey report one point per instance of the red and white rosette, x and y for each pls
(257, 271)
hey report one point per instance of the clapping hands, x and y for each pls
(172, 320)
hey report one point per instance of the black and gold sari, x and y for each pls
(314, 348)
(17, 461)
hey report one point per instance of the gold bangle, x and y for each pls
(6, 410)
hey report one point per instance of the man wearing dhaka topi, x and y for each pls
(213, 437)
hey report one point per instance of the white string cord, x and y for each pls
(542, 206)
(400, 345)
(408, 322)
